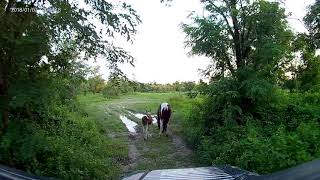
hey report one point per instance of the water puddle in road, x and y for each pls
(139, 116)
(154, 120)
(129, 124)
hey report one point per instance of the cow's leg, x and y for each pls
(146, 135)
(165, 127)
(158, 122)
(161, 126)
(143, 130)
(150, 134)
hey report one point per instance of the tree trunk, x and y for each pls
(236, 38)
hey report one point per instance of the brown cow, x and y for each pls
(146, 122)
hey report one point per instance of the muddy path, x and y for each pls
(158, 152)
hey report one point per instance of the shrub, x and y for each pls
(110, 91)
(253, 124)
(61, 144)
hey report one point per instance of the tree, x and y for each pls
(96, 84)
(85, 87)
(41, 43)
(118, 84)
(188, 86)
(312, 22)
(309, 71)
(240, 34)
(177, 86)
(306, 71)
(249, 43)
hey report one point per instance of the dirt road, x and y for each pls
(157, 152)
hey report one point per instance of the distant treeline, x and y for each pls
(117, 85)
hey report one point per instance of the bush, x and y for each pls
(110, 91)
(189, 112)
(253, 125)
(255, 152)
(192, 94)
(61, 144)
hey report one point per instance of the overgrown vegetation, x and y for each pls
(42, 52)
(261, 110)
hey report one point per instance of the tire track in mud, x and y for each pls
(116, 109)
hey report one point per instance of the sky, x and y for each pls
(159, 43)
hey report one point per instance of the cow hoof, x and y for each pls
(167, 135)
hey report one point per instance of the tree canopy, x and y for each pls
(39, 45)
(264, 90)
(312, 21)
(238, 34)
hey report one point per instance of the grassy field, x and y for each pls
(131, 151)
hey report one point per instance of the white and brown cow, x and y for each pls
(146, 122)
(163, 116)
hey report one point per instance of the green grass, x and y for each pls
(156, 153)
(110, 126)
(95, 106)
